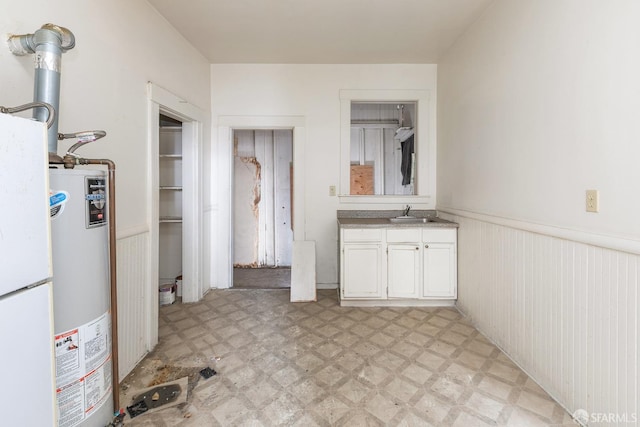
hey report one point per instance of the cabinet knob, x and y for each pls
(417, 248)
(426, 246)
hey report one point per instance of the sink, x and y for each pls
(407, 219)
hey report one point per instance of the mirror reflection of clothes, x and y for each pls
(406, 137)
(407, 154)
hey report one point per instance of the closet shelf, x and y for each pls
(170, 187)
(170, 156)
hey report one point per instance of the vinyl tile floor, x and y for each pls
(319, 364)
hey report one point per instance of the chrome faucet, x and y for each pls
(406, 211)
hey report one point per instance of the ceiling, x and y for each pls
(321, 31)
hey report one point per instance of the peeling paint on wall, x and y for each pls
(257, 168)
(246, 212)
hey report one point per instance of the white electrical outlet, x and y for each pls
(592, 200)
(332, 190)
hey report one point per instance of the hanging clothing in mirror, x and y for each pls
(406, 137)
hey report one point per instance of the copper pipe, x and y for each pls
(69, 162)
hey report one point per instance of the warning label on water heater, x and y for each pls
(95, 197)
(83, 370)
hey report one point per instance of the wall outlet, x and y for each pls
(332, 190)
(592, 200)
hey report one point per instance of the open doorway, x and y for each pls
(262, 208)
(183, 155)
(170, 191)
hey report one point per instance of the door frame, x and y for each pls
(303, 287)
(274, 233)
(161, 101)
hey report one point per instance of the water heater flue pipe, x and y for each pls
(70, 161)
(48, 44)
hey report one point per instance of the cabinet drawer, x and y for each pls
(403, 235)
(444, 235)
(362, 234)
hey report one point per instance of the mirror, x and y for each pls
(382, 159)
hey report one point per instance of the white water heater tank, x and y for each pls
(81, 294)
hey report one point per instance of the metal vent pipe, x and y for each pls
(48, 43)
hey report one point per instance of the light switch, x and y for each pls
(332, 190)
(592, 200)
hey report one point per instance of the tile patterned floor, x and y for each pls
(319, 364)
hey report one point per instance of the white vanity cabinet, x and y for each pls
(439, 263)
(362, 262)
(404, 263)
(398, 266)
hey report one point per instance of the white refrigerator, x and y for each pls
(27, 371)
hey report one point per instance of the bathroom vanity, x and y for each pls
(394, 260)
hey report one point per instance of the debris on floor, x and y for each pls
(207, 373)
(154, 398)
(162, 386)
(158, 396)
(118, 419)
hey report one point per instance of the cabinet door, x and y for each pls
(439, 270)
(362, 270)
(403, 270)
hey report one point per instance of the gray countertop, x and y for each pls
(382, 219)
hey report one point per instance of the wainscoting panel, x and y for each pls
(133, 315)
(566, 312)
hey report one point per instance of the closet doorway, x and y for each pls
(262, 208)
(170, 203)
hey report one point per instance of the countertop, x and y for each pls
(382, 219)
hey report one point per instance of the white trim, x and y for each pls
(581, 236)
(398, 303)
(151, 294)
(262, 122)
(425, 147)
(171, 102)
(162, 101)
(132, 231)
(399, 199)
(223, 239)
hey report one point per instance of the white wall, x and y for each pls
(565, 311)
(311, 91)
(538, 101)
(120, 46)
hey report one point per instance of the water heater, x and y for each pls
(81, 294)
